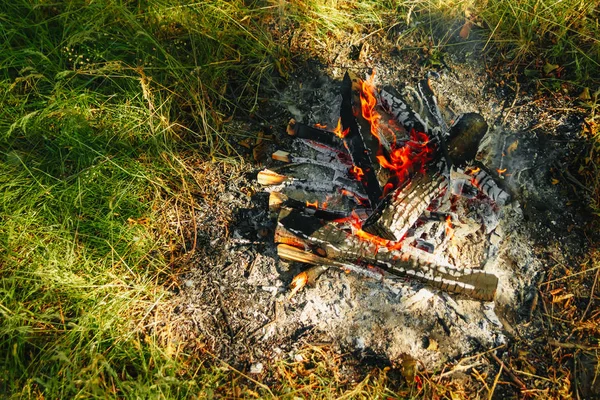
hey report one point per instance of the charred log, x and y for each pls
(396, 105)
(336, 246)
(488, 186)
(401, 208)
(304, 131)
(464, 138)
(361, 144)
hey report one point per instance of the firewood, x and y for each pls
(402, 208)
(395, 104)
(291, 128)
(484, 182)
(343, 247)
(303, 131)
(361, 144)
(276, 199)
(281, 155)
(267, 177)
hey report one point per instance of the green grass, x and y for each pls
(99, 102)
(558, 39)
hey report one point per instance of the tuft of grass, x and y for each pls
(561, 37)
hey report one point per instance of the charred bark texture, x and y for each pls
(401, 208)
(361, 145)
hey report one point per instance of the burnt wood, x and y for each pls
(401, 208)
(464, 138)
(304, 131)
(335, 245)
(362, 146)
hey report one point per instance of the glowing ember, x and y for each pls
(360, 200)
(357, 173)
(298, 283)
(501, 171)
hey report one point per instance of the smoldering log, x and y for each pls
(401, 208)
(397, 106)
(291, 253)
(323, 160)
(361, 144)
(325, 205)
(312, 178)
(337, 245)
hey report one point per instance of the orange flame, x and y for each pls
(501, 171)
(402, 160)
(356, 224)
(413, 155)
(368, 103)
(338, 130)
(357, 172)
(320, 126)
(387, 189)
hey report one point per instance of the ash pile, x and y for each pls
(419, 241)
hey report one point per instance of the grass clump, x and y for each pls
(558, 39)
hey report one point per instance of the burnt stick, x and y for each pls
(359, 142)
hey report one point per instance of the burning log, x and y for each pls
(328, 205)
(361, 144)
(303, 131)
(339, 247)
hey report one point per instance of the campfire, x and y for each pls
(391, 190)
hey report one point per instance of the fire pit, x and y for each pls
(390, 192)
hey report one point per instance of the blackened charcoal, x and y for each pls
(464, 138)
